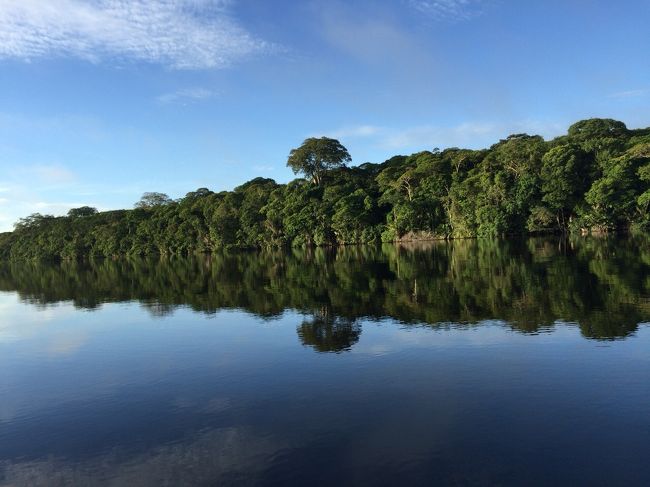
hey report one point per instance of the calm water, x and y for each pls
(511, 363)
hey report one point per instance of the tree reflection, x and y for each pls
(326, 332)
(600, 284)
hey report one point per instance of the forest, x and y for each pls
(594, 179)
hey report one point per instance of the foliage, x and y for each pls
(153, 199)
(596, 178)
(316, 156)
(82, 212)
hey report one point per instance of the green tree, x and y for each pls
(612, 197)
(82, 211)
(595, 177)
(564, 181)
(509, 185)
(32, 221)
(316, 156)
(152, 199)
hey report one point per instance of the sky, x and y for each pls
(102, 100)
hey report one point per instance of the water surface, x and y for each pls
(466, 363)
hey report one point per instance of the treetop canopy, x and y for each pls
(316, 156)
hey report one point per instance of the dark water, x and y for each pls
(472, 363)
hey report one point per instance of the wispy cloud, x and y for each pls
(264, 168)
(630, 93)
(433, 136)
(23, 203)
(449, 10)
(50, 173)
(355, 131)
(29, 190)
(181, 34)
(186, 96)
(474, 134)
(371, 40)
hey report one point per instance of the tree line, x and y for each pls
(596, 178)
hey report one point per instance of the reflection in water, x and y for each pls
(601, 284)
(328, 333)
(451, 366)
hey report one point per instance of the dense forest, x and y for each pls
(596, 178)
(600, 284)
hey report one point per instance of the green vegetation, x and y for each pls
(601, 284)
(317, 156)
(594, 179)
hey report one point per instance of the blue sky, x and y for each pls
(102, 100)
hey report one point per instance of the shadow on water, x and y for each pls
(531, 285)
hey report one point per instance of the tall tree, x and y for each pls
(316, 156)
(152, 199)
(565, 178)
(82, 211)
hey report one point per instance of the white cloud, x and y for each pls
(263, 168)
(29, 190)
(468, 134)
(182, 34)
(355, 131)
(51, 173)
(373, 41)
(186, 95)
(25, 204)
(449, 10)
(434, 136)
(630, 93)
(50, 207)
